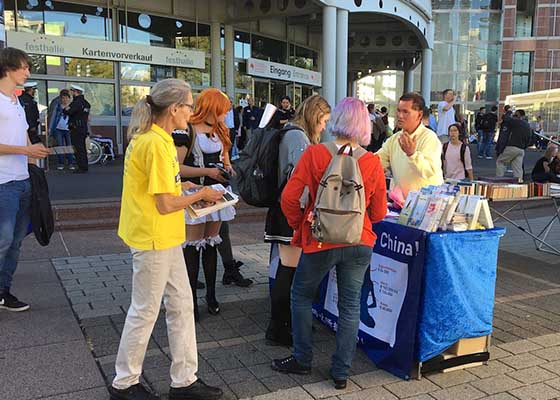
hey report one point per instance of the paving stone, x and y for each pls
(374, 378)
(547, 340)
(278, 382)
(236, 375)
(496, 384)
(521, 346)
(493, 368)
(463, 392)
(262, 370)
(501, 396)
(549, 354)
(296, 393)
(377, 393)
(539, 391)
(532, 375)
(411, 388)
(553, 367)
(250, 388)
(224, 363)
(421, 397)
(324, 389)
(496, 353)
(449, 379)
(555, 383)
(522, 361)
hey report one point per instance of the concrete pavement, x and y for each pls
(65, 347)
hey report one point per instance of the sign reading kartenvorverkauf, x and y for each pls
(105, 50)
(267, 69)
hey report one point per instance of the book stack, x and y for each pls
(502, 190)
(444, 208)
(554, 189)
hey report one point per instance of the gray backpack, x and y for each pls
(338, 216)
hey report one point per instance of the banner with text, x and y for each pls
(284, 72)
(105, 50)
(389, 300)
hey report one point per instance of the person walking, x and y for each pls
(284, 114)
(518, 140)
(152, 225)
(350, 125)
(309, 122)
(58, 128)
(478, 129)
(15, 186)
(78, 115)
(446, 114)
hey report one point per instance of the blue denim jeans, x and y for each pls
(488, 139)
(351, 263)
(63, 139)
(15, 215)
(480, 143)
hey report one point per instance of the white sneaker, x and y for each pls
(60, 167)
(489, 158)
(479, 157)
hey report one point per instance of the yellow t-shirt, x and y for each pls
(150, 167)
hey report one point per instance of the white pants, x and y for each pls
(158, 274)
(513, 155)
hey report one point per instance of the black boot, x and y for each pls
(192, 259)
(209, 263)
(280, 327)
(233, 276)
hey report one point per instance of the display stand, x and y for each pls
(423, 292)
(540, 239)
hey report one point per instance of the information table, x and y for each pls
(422, 293)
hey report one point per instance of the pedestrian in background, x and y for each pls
(78, 116)
(446, 114)
(58, 128)
(27, 100)
(16, 151)
(518, 140)
(152, 225)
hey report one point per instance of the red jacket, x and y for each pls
(308, 172)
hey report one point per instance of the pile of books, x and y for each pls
(498, 190)
(444, 208)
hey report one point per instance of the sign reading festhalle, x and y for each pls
(284, 72)
(105, 50)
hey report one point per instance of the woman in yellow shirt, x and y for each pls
(152, 224)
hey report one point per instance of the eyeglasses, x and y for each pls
(191, 106)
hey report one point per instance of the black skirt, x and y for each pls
(277, 229)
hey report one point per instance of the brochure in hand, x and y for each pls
(202, 208)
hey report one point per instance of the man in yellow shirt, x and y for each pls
(152, 224)
(413, 155)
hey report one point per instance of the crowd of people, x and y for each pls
(179, 151)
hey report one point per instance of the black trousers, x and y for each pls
(78, 139)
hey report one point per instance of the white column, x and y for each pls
(426, 83)
(329, 54)
(341, 54)
(229, 61)
(216, 56)
(408, 80)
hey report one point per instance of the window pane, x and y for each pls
(268, 49)
(519, 84)
(522, 62)
(101, 96)
(130, 96)
(89, 68)
(135, 72)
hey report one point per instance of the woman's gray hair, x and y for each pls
(162, 95)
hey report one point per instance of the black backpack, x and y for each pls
(488, 122)
(257, 167)
(462, 155)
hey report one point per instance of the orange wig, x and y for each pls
(210, 105)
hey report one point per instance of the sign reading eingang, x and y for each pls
(105, 50)
(267, 69)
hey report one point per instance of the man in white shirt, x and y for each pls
(446, 115)
(15, 186)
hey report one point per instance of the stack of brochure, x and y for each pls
(202, 208)
(444, 208)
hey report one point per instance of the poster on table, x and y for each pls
(389, 299)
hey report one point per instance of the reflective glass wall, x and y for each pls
(467, 51)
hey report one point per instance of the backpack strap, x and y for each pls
(357, 153)
(444, 151)
(463, 150)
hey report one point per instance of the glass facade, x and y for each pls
(467, 51)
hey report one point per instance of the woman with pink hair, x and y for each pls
(350, 127)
